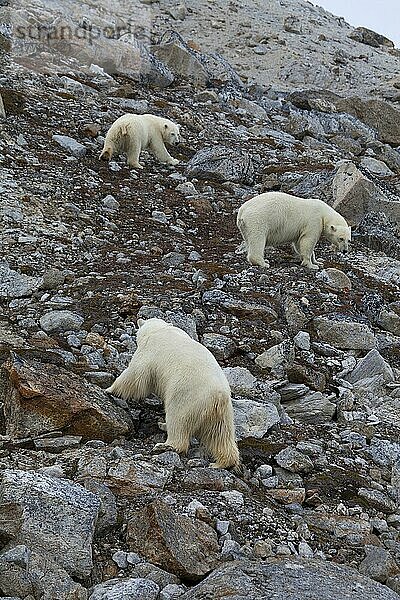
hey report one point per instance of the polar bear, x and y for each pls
(276, 218)
(192, 385)
(133, 133)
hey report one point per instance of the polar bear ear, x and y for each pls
(165, 125)
(140, 322)
(333, 228)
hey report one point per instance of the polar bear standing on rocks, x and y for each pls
(275, 219)
(133, 133)
(192, 385)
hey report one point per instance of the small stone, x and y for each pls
(61, 320)
(294, 461)
(111, 203)
(234, 498)
(121, 589)
(173, 259)
(305, 550)
(119, 558)
(302, 340)
(263, 549)
(263, 471)
(335, 279)
(220, 345)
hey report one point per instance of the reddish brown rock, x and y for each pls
(41, 397)
(188, 548)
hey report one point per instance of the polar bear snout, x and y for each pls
(106, 154)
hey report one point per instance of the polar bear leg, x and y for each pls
(316, 261)
(133, 154)
(159, 150)
(178, 434)
(306, 248)
(255, 248)
(133, 383)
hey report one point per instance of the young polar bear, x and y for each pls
(192, 385)
(133, 133)
(275, 219)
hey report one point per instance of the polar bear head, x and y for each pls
(339, 236)
(170, 133)
(149, 326)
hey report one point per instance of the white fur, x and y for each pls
(133, 133)
(192, 385)
(275, 219)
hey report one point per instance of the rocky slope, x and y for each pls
(87, 510)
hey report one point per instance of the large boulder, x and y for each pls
(53, 517)
(347, 335)
(23, 572)
(354, 194)
(174, 542)
(39, 398)
(288, 579)
(16, 285)
(253, 419)
(221, 164)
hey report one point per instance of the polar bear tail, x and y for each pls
(218, 432)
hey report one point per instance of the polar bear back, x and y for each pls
(286, 216)
(177, 362)
(144, 127)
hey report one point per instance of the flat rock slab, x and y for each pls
(16, 285)
(221, 164)
(288, 579)
(253, 419)
(44, 397)
(125, 589)
(130, 477)
(53, 517)
(347, 335)
(176, 543)
(24, 572)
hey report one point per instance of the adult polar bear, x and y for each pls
(133, 133)
(276, 218)
(192, 385)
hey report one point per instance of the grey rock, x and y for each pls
(253, 419)
(16, 285)
(125, 589)
(276, 356)
(354, 194)
(57, 321)
(220, 345)
(294, 461)
(75, 148)
(372, 364)
(241, 381)
(376, 167)
(335, 279)
(107, 515)
(221, 164)
(286, 578)
(53, 517)
(172, 591)
(345, 334)
(314, 407)
(390, 321)
(173, 259)
(302, 340)
(377, 499)
(33, 575)
(378, 564)
(370, 38)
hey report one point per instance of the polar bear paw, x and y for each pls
(173, 162)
